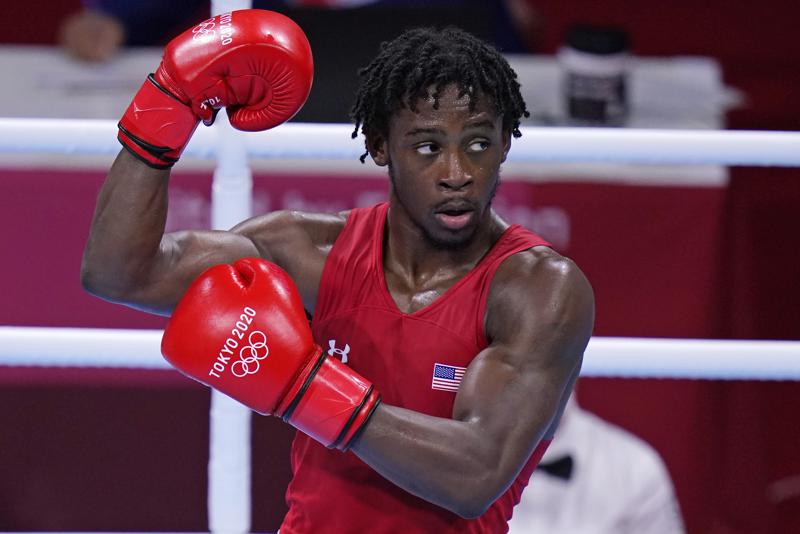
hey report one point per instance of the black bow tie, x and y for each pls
(559, 468)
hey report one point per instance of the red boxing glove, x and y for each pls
(242, 330)
(255, 63)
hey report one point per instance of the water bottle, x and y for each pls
(594, 62)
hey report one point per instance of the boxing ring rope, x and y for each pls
(332, 141)
(612, 357)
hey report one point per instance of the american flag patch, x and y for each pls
(447, 377)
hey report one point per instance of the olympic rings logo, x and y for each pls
(250, 355)
(204, 30)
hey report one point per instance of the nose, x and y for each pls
(455, 173)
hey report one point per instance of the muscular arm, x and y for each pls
(539, 319)
(129, 259)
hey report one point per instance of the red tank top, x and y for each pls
(415, 360)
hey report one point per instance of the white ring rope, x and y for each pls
(604, 357)
(332, 141)
(81, 347)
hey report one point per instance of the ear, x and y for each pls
(378, 149)
(506, 144)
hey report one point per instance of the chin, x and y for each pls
(450, 240)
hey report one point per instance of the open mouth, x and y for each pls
(455, 212)
(454, 217)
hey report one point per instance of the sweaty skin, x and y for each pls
(444, 165)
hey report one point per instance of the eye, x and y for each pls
(479, 145)
(426, 149)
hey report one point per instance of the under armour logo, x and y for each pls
(341, 353)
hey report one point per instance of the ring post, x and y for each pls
(229, 498)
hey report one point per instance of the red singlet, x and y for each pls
(357, 320)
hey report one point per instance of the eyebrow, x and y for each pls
(417, 131)
(485, 123)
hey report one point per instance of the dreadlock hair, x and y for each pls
(427, 57)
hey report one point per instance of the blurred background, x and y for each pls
(695, 251)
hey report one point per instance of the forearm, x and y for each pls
(127, 227)
(501, 414)
(444, 461)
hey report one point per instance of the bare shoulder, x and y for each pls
(537, 294)
(539, 271)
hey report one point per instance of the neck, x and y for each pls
(409, 252)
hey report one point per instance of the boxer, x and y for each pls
(444, 342)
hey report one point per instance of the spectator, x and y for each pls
(98, 31)
(597, 478)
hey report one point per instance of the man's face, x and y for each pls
(444, 165)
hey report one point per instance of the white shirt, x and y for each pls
(619, 484)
